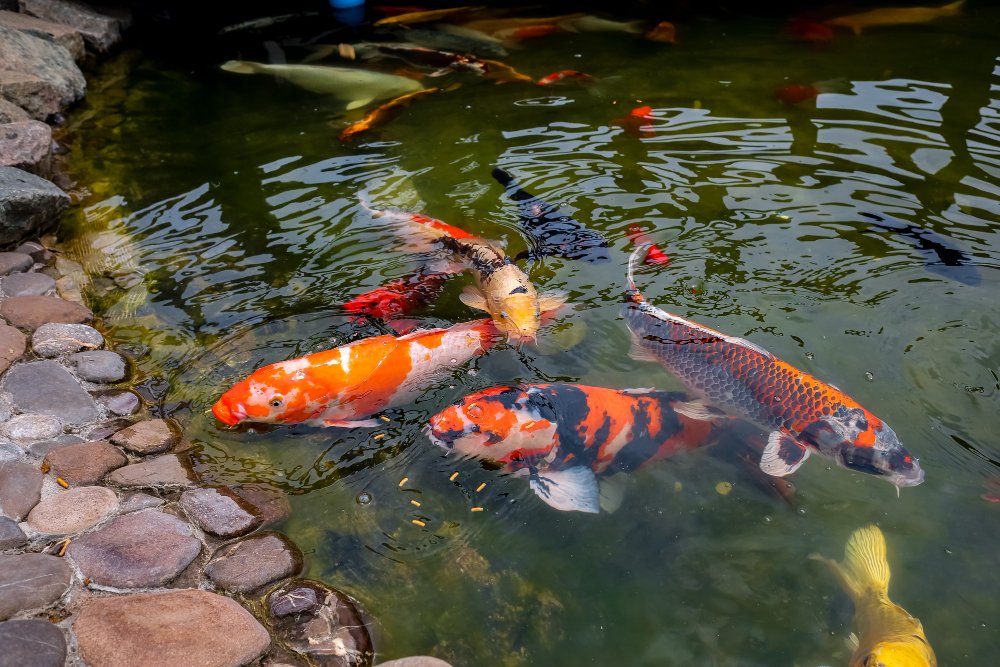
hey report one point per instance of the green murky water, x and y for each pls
(235, 203)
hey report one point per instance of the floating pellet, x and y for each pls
(415, 503)
(480, 487)
(403, 481)
(378, 436)
(384, 418)
(61, 482)
(723, 488)
(418, 522)
(477, 509)
(453, 476)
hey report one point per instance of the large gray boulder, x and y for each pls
(27, 145)
(29, 205)
(61, 34)
(101, 32)
(43, 59)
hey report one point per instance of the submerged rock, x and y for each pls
(173, 629)
(271, 503)
(86, 462)
(31, 581)
(138, 550)
(321, 623)
(32, 643)
(30, 205)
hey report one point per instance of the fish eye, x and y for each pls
(276, 402)
(538, 312)
(504, 314)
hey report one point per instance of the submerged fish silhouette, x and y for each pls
(550, 230)
(940, 255)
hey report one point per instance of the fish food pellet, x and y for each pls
(453, 476)
(61, 482)
(403, 481)
(418, 522)
(476, 509)
(480, 487)
(415, 503)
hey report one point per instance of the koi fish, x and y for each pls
(569, 439)
(800, 412)
(664, 31)
(896, 16)
(636, 123)
(654, 256)
(355, 87)
(502, 289)
(807, 30)
(382, 114)
(418, 56)
(514, 35)
(889, 635)
(501, 72)
(456, 38)
(940, 256)
(398, 297)
(795, 93)
(424, 16)
(562, 75)
(510, 26)
(343, 386)
(590, 23)
(550, 230)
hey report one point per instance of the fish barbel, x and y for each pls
(888, 634)
(800, 412)
(343, 386)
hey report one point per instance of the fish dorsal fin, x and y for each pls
(570, 490)
(550, 301)
(473, 298)
(638, 391)
(698, 409)
(782, 455)
(612, 492)
(865, 562)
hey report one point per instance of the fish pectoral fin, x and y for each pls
(612, 492)
(782, 455)
(357, 104)
(473, 298)
(570, 490)
(700, 410)
(551, 301)
(638, 351)
(340, 423)
(853, 642)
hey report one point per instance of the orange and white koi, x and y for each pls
(345, 385)
(562, 75)
(502, 289)
(800, 412)
(382, 114)
(571, 439)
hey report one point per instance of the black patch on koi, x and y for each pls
(862, 460)
(519, 290)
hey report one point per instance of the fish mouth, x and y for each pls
(914, 478)
(429, 432)
(227, 416)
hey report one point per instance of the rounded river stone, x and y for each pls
(86, 462)
(140, 501)
(72, 511)
(31, 643)
(31, 581)
(331, 632)
(146, 437)
(138, 550)
(173, 629)
(11, 262)
(31, 312)
(9, 452)
(162, 471)
(12, 345)
(27, 284)
(100, 366)
(54, 338)
(31, 428)
(270, 502)
(254, 562)
(121, 402)
(220, 512)
(20, 489)
(45, 387)
(11, 535)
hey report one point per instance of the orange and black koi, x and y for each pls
(398, 297)
(550, 230)
(800, 412)
(562, 75)
(569, 438)
(381, 115)
(654, 256)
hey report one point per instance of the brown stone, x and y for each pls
(11, 113)
(30, 581)
(12, 346)
(167, 470)
(27, 145)
(35, 95)
(31, 312)
(138, 550)
(31, 643)
(271, 503)
(63, 35)
(72, 511)
(85, 463)
(146, 437)
(100, 31)
(185, 628)
(254, 562)
(20, 489)
(220, 512)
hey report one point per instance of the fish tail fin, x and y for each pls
(238, 66)
(953, 8)
(864, 572)
(634, 259)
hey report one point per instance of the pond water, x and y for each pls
(233, 206)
